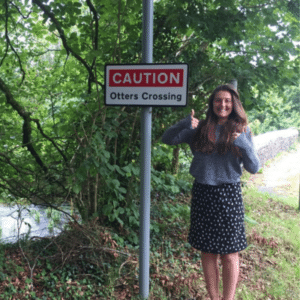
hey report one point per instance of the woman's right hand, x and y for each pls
(195, 121)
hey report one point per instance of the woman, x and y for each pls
(220, 144)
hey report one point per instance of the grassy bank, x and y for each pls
(90, 262)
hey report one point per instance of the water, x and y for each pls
(35, 221)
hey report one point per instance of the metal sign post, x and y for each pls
(146, 85)
(146, 123)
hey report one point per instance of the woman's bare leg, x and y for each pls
(230, 274)
(211, 274)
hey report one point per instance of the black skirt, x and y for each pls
(217, 218)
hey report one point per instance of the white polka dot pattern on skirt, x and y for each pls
(217, 218)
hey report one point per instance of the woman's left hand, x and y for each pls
(234, 136)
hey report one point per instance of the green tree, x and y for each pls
(58, 140)
(278, 109)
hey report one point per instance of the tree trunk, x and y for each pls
(175, 160)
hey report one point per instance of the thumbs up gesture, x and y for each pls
(195, 121)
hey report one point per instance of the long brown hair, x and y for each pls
(204, 139)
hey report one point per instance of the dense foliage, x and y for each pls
(58, 140)
(277, 110)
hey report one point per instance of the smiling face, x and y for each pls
(222, 106)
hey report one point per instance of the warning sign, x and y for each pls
(146, 85)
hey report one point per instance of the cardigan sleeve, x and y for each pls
(249, 155)
(181, 132)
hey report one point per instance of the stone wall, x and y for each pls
(269, 144)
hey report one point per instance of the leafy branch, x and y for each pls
(49, 139)
(42, 53)
(95, 39)
(16, 167)
(26, 125)
(60, 30)
(19, 11)
(8, 43)
(96, 19)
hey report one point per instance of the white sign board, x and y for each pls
(146, 85)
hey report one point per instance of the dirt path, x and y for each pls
(281, 175)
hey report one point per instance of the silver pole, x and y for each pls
(144, 250)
